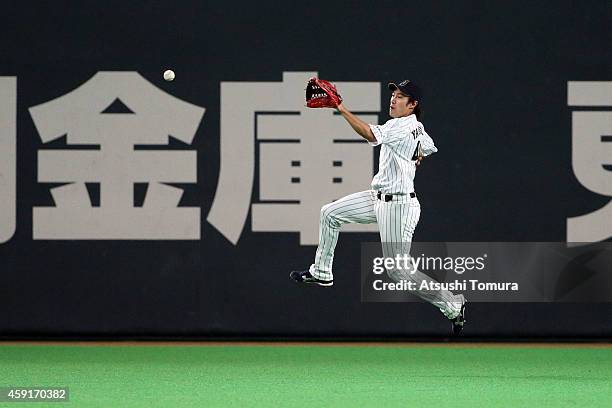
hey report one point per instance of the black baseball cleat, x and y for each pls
(459, 321)
(306, 277)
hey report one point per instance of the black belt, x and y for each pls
(389, 197)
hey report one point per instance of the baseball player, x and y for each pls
(391, 202)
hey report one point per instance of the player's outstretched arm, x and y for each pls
(362, 128)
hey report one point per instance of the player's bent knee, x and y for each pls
(326, 210)
(328, 216)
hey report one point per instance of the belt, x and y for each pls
(389, 197)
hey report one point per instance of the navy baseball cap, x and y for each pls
(409, 88)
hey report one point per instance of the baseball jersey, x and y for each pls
(400, 139)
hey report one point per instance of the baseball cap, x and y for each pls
(409, 88)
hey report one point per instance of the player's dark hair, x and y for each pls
(418, 112)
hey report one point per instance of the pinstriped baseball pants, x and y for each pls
(396, 219)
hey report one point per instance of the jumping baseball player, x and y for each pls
(392, 201)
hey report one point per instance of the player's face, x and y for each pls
(399, 105)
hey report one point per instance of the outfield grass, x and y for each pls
(313, 375)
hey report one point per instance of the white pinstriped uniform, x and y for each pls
(400, 138)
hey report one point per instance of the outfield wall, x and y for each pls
(133, 206)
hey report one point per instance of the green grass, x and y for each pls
(299, 376)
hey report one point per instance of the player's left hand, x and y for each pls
(322, 94)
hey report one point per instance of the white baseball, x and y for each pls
(169, 75)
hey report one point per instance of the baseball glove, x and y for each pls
(322, 94)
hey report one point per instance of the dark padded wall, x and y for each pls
(495, 76)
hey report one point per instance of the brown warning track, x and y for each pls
(602, 345)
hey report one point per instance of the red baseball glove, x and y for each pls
(321, 94)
